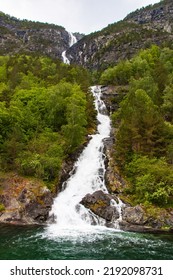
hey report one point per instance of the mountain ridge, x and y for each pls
(23, 36)
(123, 39)
(97, 51)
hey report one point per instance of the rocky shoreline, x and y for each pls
(28, 201)
(23, 201)
(133, 218)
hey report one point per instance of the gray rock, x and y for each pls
(25, 201)
(100, 204)
(107, 47)
(135, 215)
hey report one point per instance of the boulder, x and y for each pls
(100, 204)
(135, 215)
(138, 219)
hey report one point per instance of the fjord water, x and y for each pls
(31, 243)
(76, 233)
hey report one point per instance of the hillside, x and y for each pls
(139, 30)
(121, 40)
(23, 36)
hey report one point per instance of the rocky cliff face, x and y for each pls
(141, 29)
(23, 201)
(157, 17)
(31, 37)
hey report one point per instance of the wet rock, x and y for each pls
(100, 204)
(5, 200)
(114, 181)
(22, 196)
(39, 210)
(36, 211)
(68, 167)
(12, 217)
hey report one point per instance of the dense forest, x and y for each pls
(45, 114)
(143, 125)
(46, 111)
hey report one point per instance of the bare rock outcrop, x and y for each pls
(24, 201)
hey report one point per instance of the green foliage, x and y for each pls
(118, 75)
(143, 122)
(4, 121)
(167, 105)
(147, 84)
(140, 67)
(44, 156)
(152, 62)
(140, 127)
(151, 180)
(75, 129)
(43, 114)
(2, 207)
(27, 24)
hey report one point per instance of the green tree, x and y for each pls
(4, 122)
(140, 67)
(75, 129)
(44, 113)
(140, 127)
(151, 180)
(146, 83)
(167, 106)
(57, 104)
(118, 75)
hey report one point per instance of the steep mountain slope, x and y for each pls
(121, 40)
(27, 36)
(140, 29)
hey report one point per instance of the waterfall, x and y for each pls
(88, 178)
(65, 59)
(72, 41)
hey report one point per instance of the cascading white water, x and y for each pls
(65, 59)
(88, 178)
(72, 41)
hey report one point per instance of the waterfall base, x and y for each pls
(89, 177)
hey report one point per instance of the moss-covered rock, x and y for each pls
(101, 204)
(146, 219)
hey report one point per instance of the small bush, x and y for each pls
(2, 207)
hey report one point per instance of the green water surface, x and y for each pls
(35, 243)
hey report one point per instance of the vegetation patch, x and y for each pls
(45, 111)
(143, 125)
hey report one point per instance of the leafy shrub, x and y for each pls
(151, 180)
